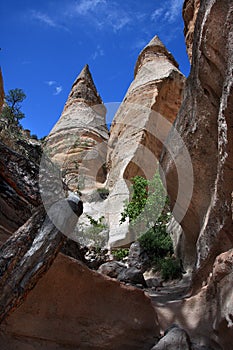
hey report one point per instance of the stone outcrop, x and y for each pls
(1, 90)
(139, 129)
(206, 126)
(73, 307)
(77, 143)
(190, 11)
(19, 193)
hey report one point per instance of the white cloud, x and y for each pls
(157, 14)
(168, 12)
(102, 14)
(85, 6)
(43, 18)
(52, 83)
(119, 23)
(47, 20)
(98, 53)
(58, 90)
(174, 10)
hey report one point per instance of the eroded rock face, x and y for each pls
(77, 143)
(140, 127)
(74, 307)
(19, 190)
(206, 126)
(190, 11)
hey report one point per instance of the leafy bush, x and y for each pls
(148, 203)
(134, 208)
(170, 268)
(96, 233)
(149, 208)
(120, 253)
(156, 242)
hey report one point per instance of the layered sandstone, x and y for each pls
(19, 193)
(206, 126)
(73, 307)
(190, 11)
(140, 127)
(77, 143)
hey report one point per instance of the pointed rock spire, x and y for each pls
(150, 51)
(83, 89)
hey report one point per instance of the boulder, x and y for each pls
(153, 282)
(204, 123)
(175, 338)
(137, 257)
(132, 276)
(73, 307)
(140, 126)
(112, 268)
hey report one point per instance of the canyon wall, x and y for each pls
(205, 125)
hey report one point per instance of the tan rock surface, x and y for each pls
(139, 128)
(190, 11)
(73, 307)
(77, 143)
(205, 125)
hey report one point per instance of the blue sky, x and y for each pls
(45, 44)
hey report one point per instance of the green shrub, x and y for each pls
(156, 242)
(96, 232)
(170, 268)
(120, 253)
(149, 205)
(138, 201)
